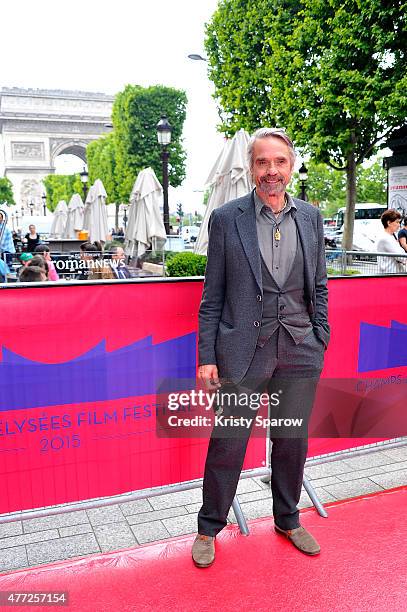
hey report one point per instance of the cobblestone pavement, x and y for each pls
(78, 533)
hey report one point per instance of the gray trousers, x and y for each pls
(293, 371)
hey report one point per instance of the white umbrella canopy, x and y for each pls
(95, 213)
(145, 228)
(229, 179)
(59, 221)
(75, 216)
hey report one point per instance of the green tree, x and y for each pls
(101, 158)
(136, 111)
(333, 72)
(61, 187)
(6, 191)
(371, 183)
(325, 187)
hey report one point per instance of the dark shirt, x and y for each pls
(32, 242)
(402, 233)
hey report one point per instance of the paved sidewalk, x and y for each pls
(74, 534)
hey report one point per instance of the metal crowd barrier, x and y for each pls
(72, 266)
(350, 263)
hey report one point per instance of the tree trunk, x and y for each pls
(116, 216)
(347, 240)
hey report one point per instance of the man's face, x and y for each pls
(272, 166)
(119, 255)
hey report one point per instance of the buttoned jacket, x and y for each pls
(232, 302)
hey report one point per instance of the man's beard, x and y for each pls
(272, 188)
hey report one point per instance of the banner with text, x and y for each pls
(84, 373)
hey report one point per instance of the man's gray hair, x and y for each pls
(266, 132)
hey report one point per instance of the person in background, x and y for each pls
(7, 247)
(25, 259)
(91, 252)
(4, 271)
(39, 261)
(18, 243)
(388, 243)
(118, 264)
(32, 274)
(43, 249)
(402, 235)
(32, 239)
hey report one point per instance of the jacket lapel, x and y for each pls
(246, 227)
(307, 238)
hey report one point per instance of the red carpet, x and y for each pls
(362, 567)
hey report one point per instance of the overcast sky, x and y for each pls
(101, 46)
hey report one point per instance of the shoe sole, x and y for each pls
(203, 565)
(283, 533)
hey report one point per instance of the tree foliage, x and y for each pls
(101, 157)
(371, 183)
(6, 191)
(333, 72)
(326, 187)
(61, 187)
(136, 112)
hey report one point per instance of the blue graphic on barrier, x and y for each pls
(97, 375)
(381, 348)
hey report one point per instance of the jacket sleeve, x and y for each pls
(213, 296)
(320, 320)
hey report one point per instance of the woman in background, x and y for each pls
(388, 243)
(43, 249)
(32, 239)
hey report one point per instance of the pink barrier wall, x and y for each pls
(78, 376)
(80, 366)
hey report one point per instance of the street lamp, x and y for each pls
(164, 130)
(196, 56)
(84, 178)
(18, 215)
(44, 203)
(32, 206)
(303, 174)
(125, 218)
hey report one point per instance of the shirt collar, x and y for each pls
(259, 204)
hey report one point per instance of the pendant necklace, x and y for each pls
(277, 233)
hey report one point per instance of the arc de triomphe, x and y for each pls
(37, 125)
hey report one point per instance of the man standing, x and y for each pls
(262, 324)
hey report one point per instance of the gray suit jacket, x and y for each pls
(232, 303)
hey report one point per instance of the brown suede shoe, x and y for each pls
(203, 550)
(302, 539)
